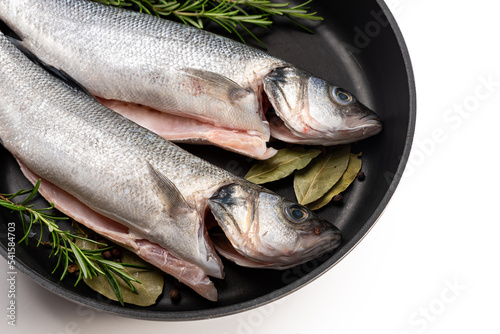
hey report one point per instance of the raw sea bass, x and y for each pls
(184, 83)
(140, 190)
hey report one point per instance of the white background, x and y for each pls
(430, 264)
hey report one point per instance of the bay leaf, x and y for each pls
(281, 165)
(345, 181)
(149, 290)
(320, 175)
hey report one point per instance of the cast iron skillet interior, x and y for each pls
(359, 47)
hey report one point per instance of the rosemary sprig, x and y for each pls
(90, 262)
(229, 14)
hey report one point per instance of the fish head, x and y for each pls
(266, 230)
(313, 111)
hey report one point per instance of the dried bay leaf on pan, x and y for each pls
(149, 290)
(345, 181)
(284, 163)
(320, 175)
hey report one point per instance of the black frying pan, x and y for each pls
(359, 47)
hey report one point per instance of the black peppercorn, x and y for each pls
(175, 296)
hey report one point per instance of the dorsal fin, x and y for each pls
(58, 73)
(68, 79)
(7, 31)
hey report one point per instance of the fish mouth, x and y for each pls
(355, 129)
(223, 244)
(332, 238)
(368, 120)
(307, 111)
(362, 127)
(257, 233)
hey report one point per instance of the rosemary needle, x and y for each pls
(90, 262)
(229, 14)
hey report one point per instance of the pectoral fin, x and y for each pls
(187, 218)
(172, 199)
(218, 85)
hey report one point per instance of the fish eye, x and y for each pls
(341, 96)
(297, 213)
